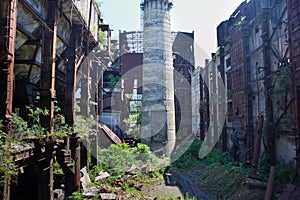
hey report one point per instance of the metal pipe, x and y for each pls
(257, 145)
(48, 70)
(9, 62)
(270, 186)
(53, 71)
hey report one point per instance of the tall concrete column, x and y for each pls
(158, 116)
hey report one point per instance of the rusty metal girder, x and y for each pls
(8, 13)
(48, 69)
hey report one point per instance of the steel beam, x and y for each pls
(70, 98)
(39, 19)
(48, 70)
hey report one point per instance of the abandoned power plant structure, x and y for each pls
(46, 58)
(258, 62)
(67, 88)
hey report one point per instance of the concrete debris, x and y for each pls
(108, 196)
(132, 170)
(104, 189)
(85, 178)
(88, 194)
(102, 175)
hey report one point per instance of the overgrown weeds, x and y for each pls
(130, 168)
(190, 160)
(120, 159)
(224, 179)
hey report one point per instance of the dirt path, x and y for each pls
(162, 190)
(187, 183)
(178, 184)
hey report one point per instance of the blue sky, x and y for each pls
(201, 16)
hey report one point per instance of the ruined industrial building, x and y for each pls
(257, 62)
(72, 97)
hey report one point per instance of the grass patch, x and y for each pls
(225, 180)
(221, 182)
(190, 160)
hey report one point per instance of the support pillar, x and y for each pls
(48, 70)
(84, 100)
(94, 148)
(8, 20)
(83, 154)
(69, 160)
(70, 100)
(48, 193)
(257, 145)
(202, 108)
(268, 85)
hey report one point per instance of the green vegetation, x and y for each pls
(121, 158)
(22, 130)
(131, 169)
(285, 173)
(76, 196)
(133, 122)
(101, 37)
(56, 168)
(220, 177)
(83, 125)
(113, 80)
(189, 160)
(61, 129)
(219, 181)
(7, 165)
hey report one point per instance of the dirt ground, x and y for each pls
(216, 184)
(162, 190)
(181, 183)
(178, 184)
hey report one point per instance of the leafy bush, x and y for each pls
(83, 125)
(76, 196)
(7, 165)
(22, 129)
(284, 174)
(61, 129)
(123, 158)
